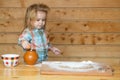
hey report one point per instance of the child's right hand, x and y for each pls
(25, 44)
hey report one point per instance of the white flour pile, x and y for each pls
(83, 66)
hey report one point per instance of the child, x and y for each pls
(34, 36)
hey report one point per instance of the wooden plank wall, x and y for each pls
(82, 29)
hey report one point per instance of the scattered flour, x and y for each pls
(83, 66)
(38, 65)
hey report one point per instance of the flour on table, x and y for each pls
(38, 64)
(83, 66)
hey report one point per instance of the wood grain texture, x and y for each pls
(62, 3)
(72, 50)
(71, 38)
(83, 26)
(105, 54)
(95, 51)
(66, 13)
(85, 13)
(24, 72)
(85, 38)
(81, 29)
(9, 38)
(13, 25)
(11, 48)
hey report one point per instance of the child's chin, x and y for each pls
(39, 28)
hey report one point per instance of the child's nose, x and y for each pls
(40, 21)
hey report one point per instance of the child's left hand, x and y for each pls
(56, 50)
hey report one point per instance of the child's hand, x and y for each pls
(25, 44)
(56, 50)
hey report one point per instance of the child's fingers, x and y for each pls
(26, 45)
(57, 51)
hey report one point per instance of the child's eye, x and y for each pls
(38, 19)
(43, 19)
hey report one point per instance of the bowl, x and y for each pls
(10, 60)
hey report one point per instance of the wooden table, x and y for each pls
(25, 72)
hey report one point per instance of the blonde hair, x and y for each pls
(31, 13)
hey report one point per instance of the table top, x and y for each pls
(23, 72)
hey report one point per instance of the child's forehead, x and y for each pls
(41, 14)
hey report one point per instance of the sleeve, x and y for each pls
(48, 42)
(26, 35)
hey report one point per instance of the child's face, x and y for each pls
(40, 20)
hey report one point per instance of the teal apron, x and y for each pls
(42, 55)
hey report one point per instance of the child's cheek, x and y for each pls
(35, 23)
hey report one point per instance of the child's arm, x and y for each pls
(24, 39)
(50, 47)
